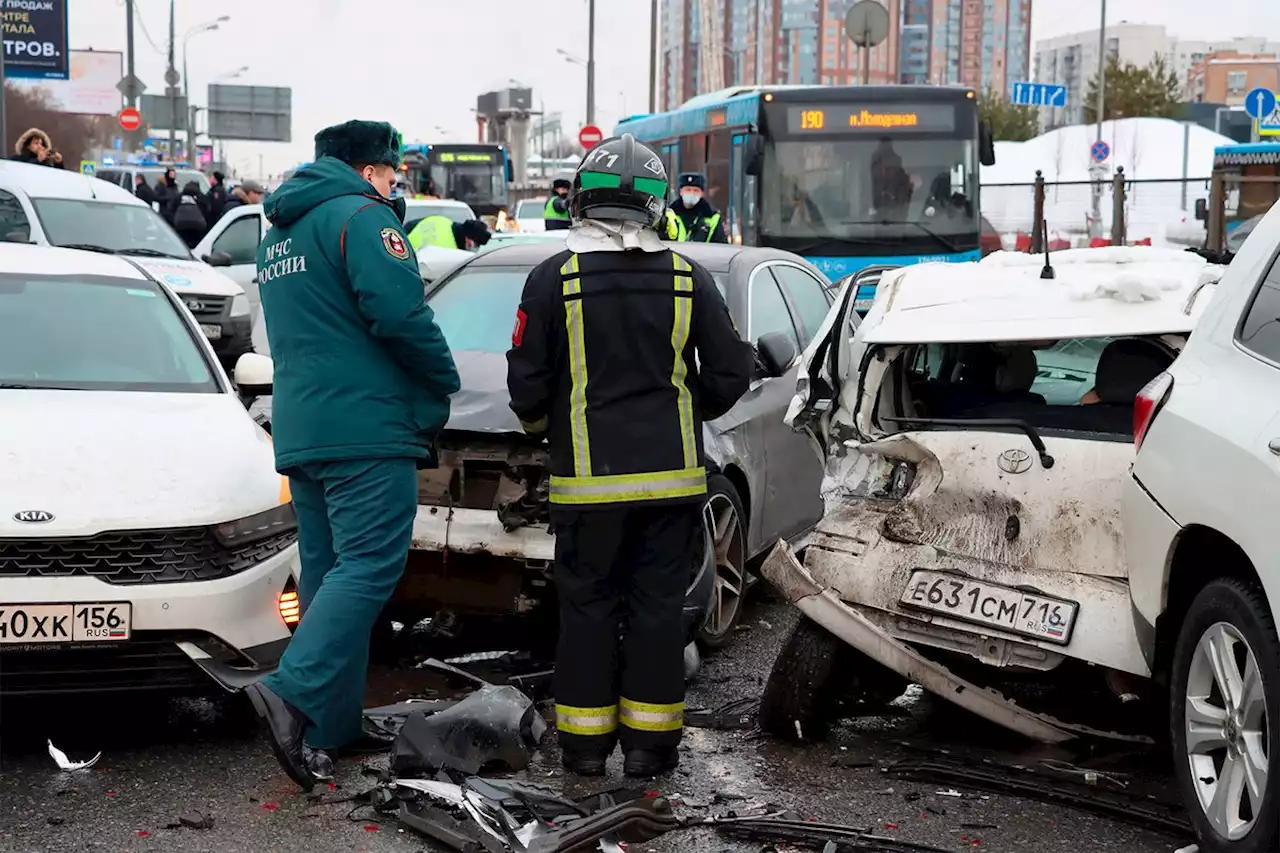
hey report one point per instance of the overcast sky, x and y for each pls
(421, 63)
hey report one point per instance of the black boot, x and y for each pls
(285, 726)
(583, 763)
(647, 763)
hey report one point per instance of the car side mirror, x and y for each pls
(217, 259)
(776, 351)
(754, 160)
(986, 144)
(1202, 210)
(254, 374)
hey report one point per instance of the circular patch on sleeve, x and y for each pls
(394, 244)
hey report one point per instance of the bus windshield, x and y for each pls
(882, 187)
(480, 185)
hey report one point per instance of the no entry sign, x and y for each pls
(589, 137)
(130, 118)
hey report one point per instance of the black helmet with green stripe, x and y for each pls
(620, 179)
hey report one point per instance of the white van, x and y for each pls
(53, 207)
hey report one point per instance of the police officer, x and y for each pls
(443, 232)
(362, 383)
(556, 213)
(702, 222)
(621, 349)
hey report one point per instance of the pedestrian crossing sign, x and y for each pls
(1270, 126)
(88, 167)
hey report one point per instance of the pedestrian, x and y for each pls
(362, 384)
(142, 189)
(555, 214)
(702, 222)
(217, 196)
(621, 349)
(35, 147)
(189, 214)
(247, 192)
(166, 194)
(443, 232)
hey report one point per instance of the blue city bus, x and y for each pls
(475, 173)
(847, 176)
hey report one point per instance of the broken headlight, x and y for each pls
(895, 479)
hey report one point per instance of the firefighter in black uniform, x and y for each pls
(603, 362)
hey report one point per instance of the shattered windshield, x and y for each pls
(1077, 384)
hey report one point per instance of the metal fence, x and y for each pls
(1161, 212)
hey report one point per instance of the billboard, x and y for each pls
(253, 113)
(90, 88)
(35, 39)
(157, 112)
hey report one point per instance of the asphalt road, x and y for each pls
(166, 760)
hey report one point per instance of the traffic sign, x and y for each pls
(589, 137)
(130, 118)
(1270, 126)
(1039, 95)
(131, 87)
(1099, 151)
(1260, 103)
(88, 167)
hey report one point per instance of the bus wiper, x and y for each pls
(152, 253)
(88, 247)
(926, 229)
(1046, 461)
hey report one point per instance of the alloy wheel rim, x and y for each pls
(1227, 737)
(727, 538)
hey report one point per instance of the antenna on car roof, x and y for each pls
(1047, 271)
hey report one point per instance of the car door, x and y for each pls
(798, 488)
(237, 234)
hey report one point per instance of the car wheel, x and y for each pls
(728, 525)
(1225, 692)
(812, 675)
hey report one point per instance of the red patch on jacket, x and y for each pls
(517, 334)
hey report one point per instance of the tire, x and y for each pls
(1232, 617)
(731, 564)
(812, 675)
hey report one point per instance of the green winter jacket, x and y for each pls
(361, 369)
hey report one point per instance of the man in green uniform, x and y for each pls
(442, 231)
(363, 377)
(556, 214)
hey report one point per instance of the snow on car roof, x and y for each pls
(1105, 292)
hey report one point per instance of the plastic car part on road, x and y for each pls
(495, 726)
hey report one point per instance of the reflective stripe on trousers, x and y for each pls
(651, 716)
(586, 721)
(582, 487)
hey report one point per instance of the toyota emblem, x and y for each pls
(33, 516)
(1014, 461)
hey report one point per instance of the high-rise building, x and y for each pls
(1072, 61)
(707, 45)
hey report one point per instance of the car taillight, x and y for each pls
(1148, 404)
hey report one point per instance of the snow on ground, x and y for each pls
(1129, 290)
(1149, 149)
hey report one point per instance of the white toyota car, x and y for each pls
(127, 561)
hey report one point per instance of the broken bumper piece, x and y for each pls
(478, 531)
(822, 606)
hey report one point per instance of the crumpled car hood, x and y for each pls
(483, 404)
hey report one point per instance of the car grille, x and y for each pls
(206, 309)
(151, 660)
(138, 556)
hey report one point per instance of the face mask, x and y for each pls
(690, 199)
(399, 206)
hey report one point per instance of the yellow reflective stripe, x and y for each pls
(577, 370)
(652, 717)
(586, 721)
(540, 425)
(680, 370)
(613, 488)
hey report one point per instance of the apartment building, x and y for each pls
(711, 44)
(1225, 77)
(1072, 61)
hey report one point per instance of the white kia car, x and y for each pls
(146, 540)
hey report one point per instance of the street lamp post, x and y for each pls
(591, 61)
(591, 94)
(229, 75)
(206, 27)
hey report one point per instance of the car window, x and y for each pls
(808, 295)
(13, 219)
(455, 212)
(121, 228)
(530, 209)
(476, 307)
(240, 240)
(768, 310)
(96, 333)
(182, 176)
(110, 176)
(1260, 331)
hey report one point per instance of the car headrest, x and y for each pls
(1125, 366)
(1016, 373)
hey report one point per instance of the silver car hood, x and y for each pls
(483, 404)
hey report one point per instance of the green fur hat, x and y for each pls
(361, 142)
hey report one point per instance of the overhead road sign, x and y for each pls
(251, 113)
(1039, 95)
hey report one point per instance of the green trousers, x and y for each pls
(355, 525)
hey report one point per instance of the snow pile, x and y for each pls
(1094, 293)
(1149, 149)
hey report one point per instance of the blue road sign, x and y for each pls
(1100, 151)
(1039, 95)
(1260, 103)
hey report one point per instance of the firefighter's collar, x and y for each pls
(593, 235)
